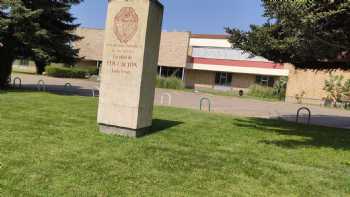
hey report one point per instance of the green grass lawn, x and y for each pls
(50, 146)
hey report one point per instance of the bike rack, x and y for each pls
(309, 114)
(41, 85)
(94, 90)
(168, 95)
(68, 86)
(9, 80)
(201, 103)
(15, 80)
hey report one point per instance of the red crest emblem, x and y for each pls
(126, 24)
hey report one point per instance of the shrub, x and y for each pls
(261, 91)
(91, 70)
(65, 72)
(170, 83)
(280, 88)
(334, 88)
(346, 89)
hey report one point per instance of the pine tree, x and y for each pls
(41, 30)
(307, 33)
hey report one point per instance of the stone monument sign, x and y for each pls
(128, 75)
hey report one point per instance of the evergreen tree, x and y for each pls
(41, 30)
(307, 33)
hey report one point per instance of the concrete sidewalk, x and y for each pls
(220, 104)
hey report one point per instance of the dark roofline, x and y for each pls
(210, 36)
(91, 28)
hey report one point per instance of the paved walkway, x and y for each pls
(220, 104)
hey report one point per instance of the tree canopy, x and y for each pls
(307, 33)
(41, 30)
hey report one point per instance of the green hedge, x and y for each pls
(90, 70)
(170, 83)
(262, 91)
(65, 72)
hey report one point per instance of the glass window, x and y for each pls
(24, 62)
(265, 80)
(170, 72)
(223, 79)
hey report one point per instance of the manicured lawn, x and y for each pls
(50, 146)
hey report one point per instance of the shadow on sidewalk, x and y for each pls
(323, 120)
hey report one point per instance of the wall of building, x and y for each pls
(311, 82)
(199, 79)
(206, 79)
(173, 49)
(28, 68)
(17, 63)
(86, 64)
(242, 81)
(203, 42)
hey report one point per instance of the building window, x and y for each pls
(170, 72)
(24, 62)
(265, 80)
(223, 79)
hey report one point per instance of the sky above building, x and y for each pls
(197, 16)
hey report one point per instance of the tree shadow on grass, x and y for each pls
(56, 89)
(323, 120)
(311, 136)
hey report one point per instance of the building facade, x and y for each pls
(309, 84)
(209, 61)
(213, 63)
(201, 61)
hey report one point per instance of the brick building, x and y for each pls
(201, 61)
(208, 61)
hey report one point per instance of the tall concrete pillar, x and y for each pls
(131, 49)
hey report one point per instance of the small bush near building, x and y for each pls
(261, 91)
(170, 83)
(90, 70)
(337, 90)
(280, 88)
(65, 72)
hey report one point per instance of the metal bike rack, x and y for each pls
(41, 85)
(305, 109)
(68, 87)
(9, 80)
(168, 95)
(94, 90)
(15, 80)
(201, 103)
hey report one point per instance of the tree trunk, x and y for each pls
(40, 67)
(6, 61)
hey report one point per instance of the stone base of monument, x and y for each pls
(114, 130)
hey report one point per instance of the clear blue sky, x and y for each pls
(197, 16)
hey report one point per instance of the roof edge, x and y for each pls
(210, 36)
